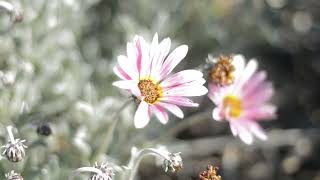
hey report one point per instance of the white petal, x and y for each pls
(142, 117)
(125, 84)
(186, 91)
(173, 109)
(245, 136)
(216, 114)
(246, 75)
(258, 131)
(238, 62)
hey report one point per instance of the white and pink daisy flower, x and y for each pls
(245, 102)
(146, 73)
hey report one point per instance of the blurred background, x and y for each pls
(56, 72)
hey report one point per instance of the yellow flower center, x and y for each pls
(233, 106)
(150, 91)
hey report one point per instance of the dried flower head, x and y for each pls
(210, 174)
(174, 164)
(107, 172)
(13, 176)
(222, 71)
(14, 151)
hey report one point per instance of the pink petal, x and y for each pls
(173, 109)
(180, 101)
(173, 60)
(261, 95)
(183, 77)
(160, 113)
(254, 82)
(186, 90)
(142, 117)
(260, 112)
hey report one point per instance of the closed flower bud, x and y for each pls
(13, 176)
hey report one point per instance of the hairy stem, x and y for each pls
(108, 136)
(136, 159)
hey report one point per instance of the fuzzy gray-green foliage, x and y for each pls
(56, 67)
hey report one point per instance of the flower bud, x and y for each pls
(14, 151)
(13, 176)
(174, 164)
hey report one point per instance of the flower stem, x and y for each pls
(136, 159)
(85, 169)
(11, 137)
(108, 136)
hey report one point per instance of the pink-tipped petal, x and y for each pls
(128, 67)
(173, 109)
(173, 60)
(121, 73)
(182, 77)
(161, 114)
(180, 101)
(142, 117)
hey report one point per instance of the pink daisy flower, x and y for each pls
(145, 72)
(244, 103)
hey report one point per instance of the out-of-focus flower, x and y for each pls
(210, 174)
(174, 163)
(145, 71)
(107, 172)
(244, 102)
(13, 176)
(44, 129)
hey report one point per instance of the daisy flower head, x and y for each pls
(244, 102)
(146, 72)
